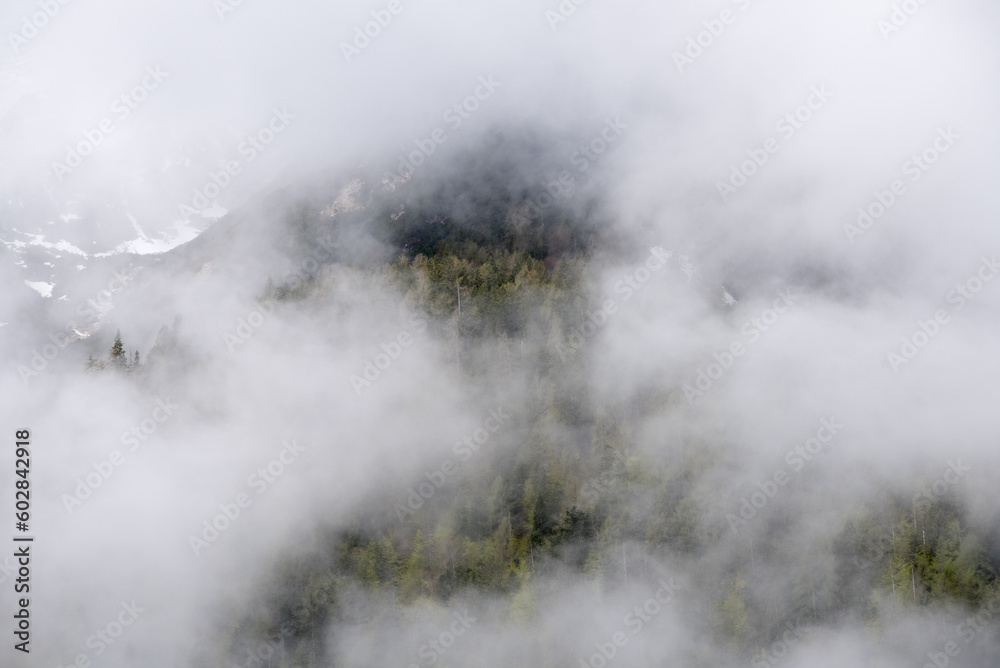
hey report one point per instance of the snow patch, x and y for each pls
(44, 289)
(39, 240)
(135, 225)
(181, 234)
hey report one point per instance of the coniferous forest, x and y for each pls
(533, 333)
(572, 486)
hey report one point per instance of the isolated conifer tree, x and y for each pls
(135, 360)
(117, 355)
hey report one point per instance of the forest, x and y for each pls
(572, 491)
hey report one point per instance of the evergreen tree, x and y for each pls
(413, 580)
(117, 356)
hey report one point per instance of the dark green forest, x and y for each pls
(570, 490)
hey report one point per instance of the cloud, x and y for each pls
(119, 120)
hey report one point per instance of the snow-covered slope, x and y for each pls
(48, 263)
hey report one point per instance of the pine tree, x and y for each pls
(413, 582)
(135, 360)
(117, 355)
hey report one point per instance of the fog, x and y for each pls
(241, 123)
